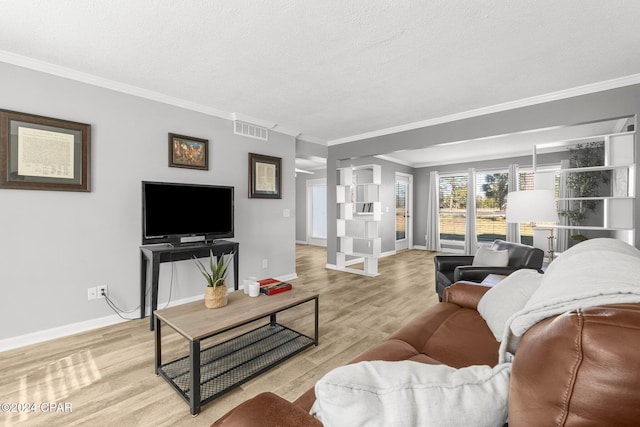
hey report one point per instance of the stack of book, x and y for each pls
(273, 286)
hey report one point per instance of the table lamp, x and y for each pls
(534, 206)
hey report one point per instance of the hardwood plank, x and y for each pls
(107, 374)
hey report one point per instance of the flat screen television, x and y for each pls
(185, 213)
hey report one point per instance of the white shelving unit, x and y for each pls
(359, 214)
(618, 199)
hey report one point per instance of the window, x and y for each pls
(491, 195)
(401, 208)
(526, 182)
(319, 211)
(453, 206)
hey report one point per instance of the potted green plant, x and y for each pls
(585, 186)
(215, 295)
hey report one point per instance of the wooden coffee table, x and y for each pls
(207, 373)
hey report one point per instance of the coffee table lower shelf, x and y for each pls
(231, 363)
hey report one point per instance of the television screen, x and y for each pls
(172, 211)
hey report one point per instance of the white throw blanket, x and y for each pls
(594, 272)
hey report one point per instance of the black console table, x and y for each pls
(157, 254)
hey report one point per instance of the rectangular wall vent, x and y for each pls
(252, 131)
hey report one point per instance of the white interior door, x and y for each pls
(404, 202)
(317, 212)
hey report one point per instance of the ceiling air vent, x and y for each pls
(252, 131)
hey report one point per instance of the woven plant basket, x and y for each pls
(215, 297)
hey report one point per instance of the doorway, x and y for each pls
(317, 212)
(403, 211)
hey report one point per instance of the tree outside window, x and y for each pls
(453, 207)
(491, 195)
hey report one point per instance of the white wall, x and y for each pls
(55, 244)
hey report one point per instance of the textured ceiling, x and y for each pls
(332, 70)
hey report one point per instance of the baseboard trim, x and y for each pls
(286, 277)
(88, 325)
(76, 328)
(58, 332)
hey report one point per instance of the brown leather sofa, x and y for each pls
(577, 369)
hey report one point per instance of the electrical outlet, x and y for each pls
(101, 291)
(91, 293)
(265, 263)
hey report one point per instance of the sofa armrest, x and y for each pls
(478, 274)
(267, 410)
(465, 294)
(446, 263)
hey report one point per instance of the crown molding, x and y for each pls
(287, 131)
(68, 73)
(298, 170)
(312, 139)
(391, 159)
(526, 102)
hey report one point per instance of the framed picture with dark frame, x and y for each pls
(43, 153)
(188, 152)
(264, 177)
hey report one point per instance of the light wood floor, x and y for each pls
(107, 377)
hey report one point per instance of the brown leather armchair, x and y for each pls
(454, 268)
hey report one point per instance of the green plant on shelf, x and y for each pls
(585, 184)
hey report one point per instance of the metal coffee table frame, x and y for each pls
(205, 374)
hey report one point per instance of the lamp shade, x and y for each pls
(532, 206)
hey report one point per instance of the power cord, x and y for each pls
(173, 270)
(119, 310)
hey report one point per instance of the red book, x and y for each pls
(273, 286)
